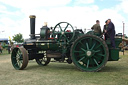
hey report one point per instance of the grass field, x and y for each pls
(114, 73)
(4, 52)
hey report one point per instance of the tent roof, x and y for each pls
(3, 39)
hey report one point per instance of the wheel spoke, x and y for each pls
(96, 62)
(66, 38)
(18, 56)
(93, 46)
(60, 27)
(66, 27)
(98, 46)
(16, 64)
(18, 52)
(88, 63)
(60, 37)
(19, 63)
(87, 46)
(81, 59)
(81, 55)
(82, 44)
(97, 51)
(83, 49)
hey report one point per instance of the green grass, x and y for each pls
(114, 73)
(4, 52)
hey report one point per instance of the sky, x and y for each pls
(14, 14)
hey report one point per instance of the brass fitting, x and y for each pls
(32, 16)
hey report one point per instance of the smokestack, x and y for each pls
(32, 26)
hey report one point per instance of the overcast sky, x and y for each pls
(14, 14)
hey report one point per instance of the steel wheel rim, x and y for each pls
(89, 53)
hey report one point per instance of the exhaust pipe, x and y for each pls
(32, 26)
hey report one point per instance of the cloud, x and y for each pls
(124, 6)
(2, 7)
(35, 3)
(122, 10)
(54, 12)
(84, 1)
(82, 17)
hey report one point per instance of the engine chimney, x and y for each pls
(32, 26)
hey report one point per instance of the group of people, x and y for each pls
(7, 48)
(108, 30)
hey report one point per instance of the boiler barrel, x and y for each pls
(48, 46)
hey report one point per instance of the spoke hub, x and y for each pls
(62, 33)
(88, 53)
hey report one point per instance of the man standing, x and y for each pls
(105, 28)
(111, 32)
(96, 27)
(0, 48)
(9, 47)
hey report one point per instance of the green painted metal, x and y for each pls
(89, 53)
(118, 41)
(43, 33)
(48, 46)
(114, 54)
(93, 33)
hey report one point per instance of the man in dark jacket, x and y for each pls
(105, 28)
(111, 32)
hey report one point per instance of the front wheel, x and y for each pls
(89, 53)
(19, 58)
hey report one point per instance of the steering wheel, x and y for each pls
(62, 32)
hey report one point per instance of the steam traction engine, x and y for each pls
(87, 51)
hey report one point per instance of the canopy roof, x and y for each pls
(3, 39)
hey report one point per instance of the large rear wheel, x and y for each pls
(89, 53)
